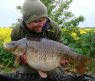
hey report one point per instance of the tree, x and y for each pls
(59, 11)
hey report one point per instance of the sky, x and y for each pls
(9, 14)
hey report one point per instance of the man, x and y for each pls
(36, 23)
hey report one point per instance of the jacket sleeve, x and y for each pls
(57, 31)
(17, 33)
(13, 34)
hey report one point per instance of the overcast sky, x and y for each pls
(9, 14)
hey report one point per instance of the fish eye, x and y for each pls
(13, 43)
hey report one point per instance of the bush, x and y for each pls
(6, 57)
(81, 41)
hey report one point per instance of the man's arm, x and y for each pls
(57, 31)
(17, 33)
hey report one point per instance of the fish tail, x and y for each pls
(82, 63)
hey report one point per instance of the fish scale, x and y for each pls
(40, 60)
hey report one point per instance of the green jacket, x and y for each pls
(51, 31)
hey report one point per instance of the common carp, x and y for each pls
(44, 55)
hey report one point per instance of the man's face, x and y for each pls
(37, 25)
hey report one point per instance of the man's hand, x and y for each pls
(64, 62)
(24, 59)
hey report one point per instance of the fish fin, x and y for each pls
(33, 38)
(42, 74)
(83, 62)
(81, 69)
(17, 61)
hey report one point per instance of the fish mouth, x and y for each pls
(5, 46)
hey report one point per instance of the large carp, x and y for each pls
(45, 55)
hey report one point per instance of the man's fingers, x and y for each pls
(64, 62)
(24, 58)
